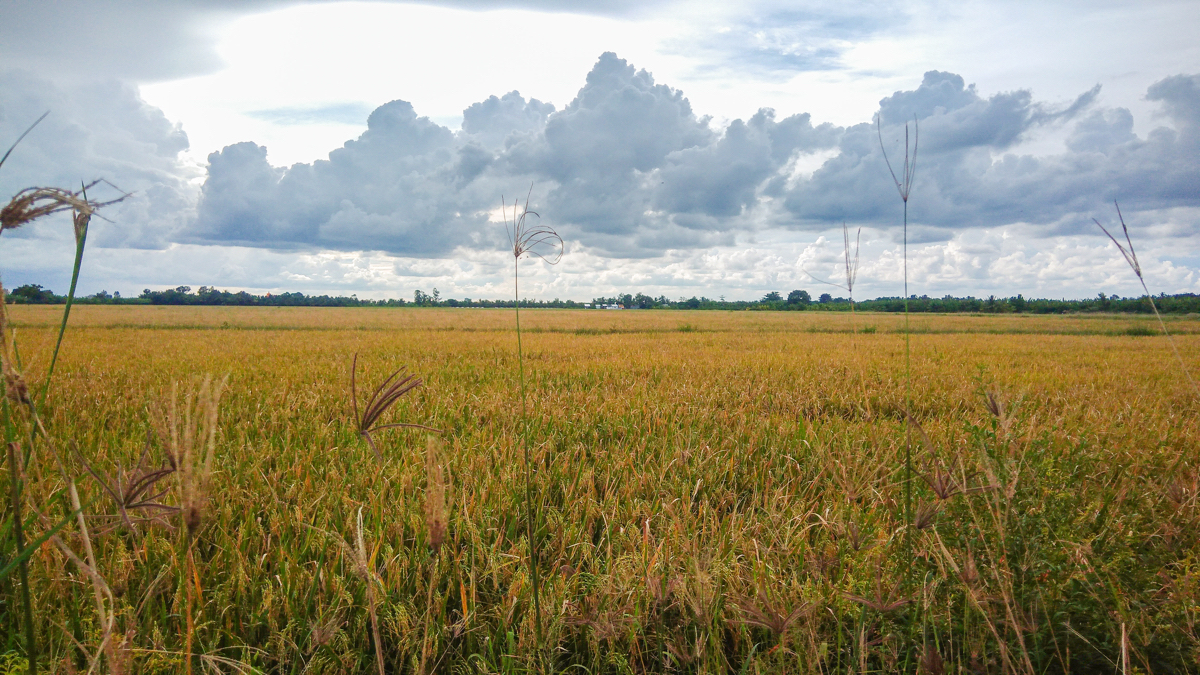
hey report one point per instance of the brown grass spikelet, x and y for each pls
(188, 434)
(14, 385)
(766, 612)
(134, 493)
(385, 396)
(435, 494)
(32, 203)
(926, 515)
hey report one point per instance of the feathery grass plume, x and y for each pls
(134, 491)
(1131, 257)
(365, 563)
(188, 434)
(36, 202)
(189, 437)
(25, 207)
(851, 264)
(770, 613)
(904, 186)
(543, 242)
(386, 395)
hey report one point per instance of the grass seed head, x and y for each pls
(33, 203)
(535, 239)
(188, 434)
(385, 396)
(134, 493)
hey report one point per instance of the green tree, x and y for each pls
(801, 298)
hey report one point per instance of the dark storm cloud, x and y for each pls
(101, 130)
(629, 169)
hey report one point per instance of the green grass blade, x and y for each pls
(80, 240)
(34, 545)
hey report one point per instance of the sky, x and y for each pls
(679, 148)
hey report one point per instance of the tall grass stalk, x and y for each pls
(1131, 257)
(851, 270)
(543, 242)
(904, 187)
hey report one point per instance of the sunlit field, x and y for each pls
(719, 492)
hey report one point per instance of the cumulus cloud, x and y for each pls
(968, 176)
(100, 130)
(629, 169)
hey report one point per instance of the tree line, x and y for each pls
(796, 300)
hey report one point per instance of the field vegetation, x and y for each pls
(717, 492)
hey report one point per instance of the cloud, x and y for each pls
(775, 44)
(968, 177)
(158, 40)
(389, 190)
(99, 130)
(338, 113)
(629, 169)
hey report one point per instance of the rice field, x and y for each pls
(717, 491)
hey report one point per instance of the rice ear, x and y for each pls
(435, 494)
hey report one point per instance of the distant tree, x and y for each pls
(34, 294)
(825, 299)
(773, 296)
(801, 298)
(692, 303)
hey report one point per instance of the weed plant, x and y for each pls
(541, 241)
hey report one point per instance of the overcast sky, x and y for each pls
(680, 148)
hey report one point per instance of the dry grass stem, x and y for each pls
(1130, 256)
